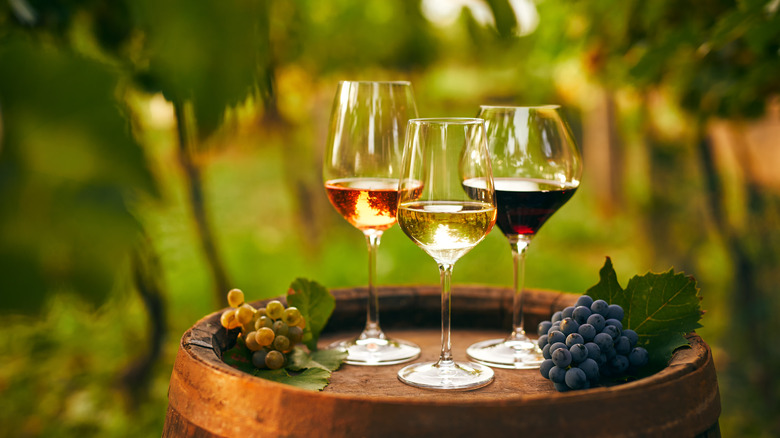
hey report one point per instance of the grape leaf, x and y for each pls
(329, 360)
(239, 357)
(309, 371)
(660, 308)
(314, 379)
(316, 305)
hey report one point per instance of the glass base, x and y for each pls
(516, 354)
(376, 351)
(451, 376)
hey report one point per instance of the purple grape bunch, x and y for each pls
(585, 342)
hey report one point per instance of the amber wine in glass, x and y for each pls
(360, 172)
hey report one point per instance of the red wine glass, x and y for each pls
(536, 169)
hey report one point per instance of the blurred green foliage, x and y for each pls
(69, 169)
(117, 116)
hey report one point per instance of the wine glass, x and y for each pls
(446, 206)
(360, 171)
(536, 169)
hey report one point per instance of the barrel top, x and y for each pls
(413, 313)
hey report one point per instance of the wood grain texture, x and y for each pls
(209, 398)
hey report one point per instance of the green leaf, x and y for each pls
(316, 305)
(608, 288)
(660, 308)
(329, 360)
(239, 357)
(309, 371)
(314, 379)
(211, 54)
(70, 170)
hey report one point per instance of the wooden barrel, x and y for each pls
(207, 398)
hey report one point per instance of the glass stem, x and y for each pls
(445, 359)
(372, 330)
(519, 244)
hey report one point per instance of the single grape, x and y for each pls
(245, 313)
(264, 336)
(591, 369)
(604, 341)
(615, 312)
(638, 357)
(555, 326)
(573, 339)
(593, 350)
(264, 321)
(556, 346)
(587, 331)
(601, 360)
(247, 328)
(616, 323)
(578, 353)
(291, 316)
(228, 319)
(601, 307)
(274, 360)
(557, 316)
(295, 335)
(545, 368)
(597, 321)
(610, 353)
(542, 341)
(274, 309)
(280, 328)
(575, 378)
(557, 374)
(251, 342)
(543, 327)
(561, 357)
(569, 326)
(302, 323)
(581, 314)
(584, 300)
(566, 312)
(555, 336)
(632, 336)
(546, 352)
(619, 364)
(260, 312)
(622, 346)
(281, 343)
(612, 331)
(235, 297)
(258, 358)
(561, 387)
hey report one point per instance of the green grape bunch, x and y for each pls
(270, 332)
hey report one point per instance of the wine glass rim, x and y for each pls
(361, 82)
(510, 107)
(448, 120)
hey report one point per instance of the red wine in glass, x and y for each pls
(536, 170)
(525, 204)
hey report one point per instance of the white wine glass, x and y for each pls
(446, 206)
(360, 171)
(536, 168)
